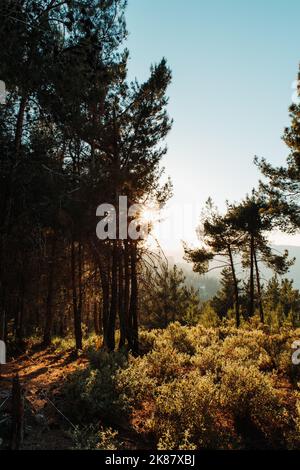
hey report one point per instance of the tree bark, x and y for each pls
(133, 309)
(19, 314)
(96, 318)
(126, 289)
(103, 320)
(122, 319)
(261, 309)
(49, 303)
(251, 300)
(113, 300)
(20, 125)
(76, 304)
(236, 289)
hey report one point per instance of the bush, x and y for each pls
(177, 337)
(147, 340)
(90, 393)
(196, 388)
(255, 404)
(91, 438)
(188, 407)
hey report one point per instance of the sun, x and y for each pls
(149, 215)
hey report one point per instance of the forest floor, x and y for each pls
(55, 399)
(41, 375)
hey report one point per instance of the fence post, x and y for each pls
(17, 414)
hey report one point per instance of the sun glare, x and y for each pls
(149, 215)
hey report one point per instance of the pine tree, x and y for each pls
(220, 241)
(167, 298)
(252, 219)
(224, 300)
(283, 185)
(74, 134)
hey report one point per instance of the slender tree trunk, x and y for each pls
(261, 309)
(76, 311)
(251, 300)
(20, 125)
(96, 318)
(105, 302)
(126, 290)
(121, 301)
(236, 289)
(19, 317)
(113, 301)
(62, 313)
(133, 309)
(80, 298)
(3, 317)
(49, 303)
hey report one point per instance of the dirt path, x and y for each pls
(41, 375)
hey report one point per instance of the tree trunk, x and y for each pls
(126, 289)
(3, 316)
(261, 309)
(113, 300)
(236, 289)
(133, 309)
(96, 318)
(49, 303)
(76, 311)
(121, 301)
(78, 332)
(19, 314)
(20, 125)
(103, 320)
(251, 300)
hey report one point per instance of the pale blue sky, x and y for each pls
(233, 63)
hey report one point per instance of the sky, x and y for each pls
(234, 65)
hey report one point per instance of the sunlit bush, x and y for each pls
(198, 387)
(254, 402)
(90, 437)
(188, 405)
(90, 393)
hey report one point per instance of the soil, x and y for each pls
(41, 375)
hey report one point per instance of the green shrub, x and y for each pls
(90, 438)
(188, 407)
(177, 337)
(90, 393)
(255, 403)
(135, 384)
(196, 388)
(147, 340)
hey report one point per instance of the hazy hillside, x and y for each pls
(294, 273)
(208, 284)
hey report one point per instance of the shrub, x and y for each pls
(196, 387)
(135, 384)
(147, 340)
(186, 410)
(178, 337)
(247, 348)
(251, 397)
(209, 317)
(90, 393)
(90, 438)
